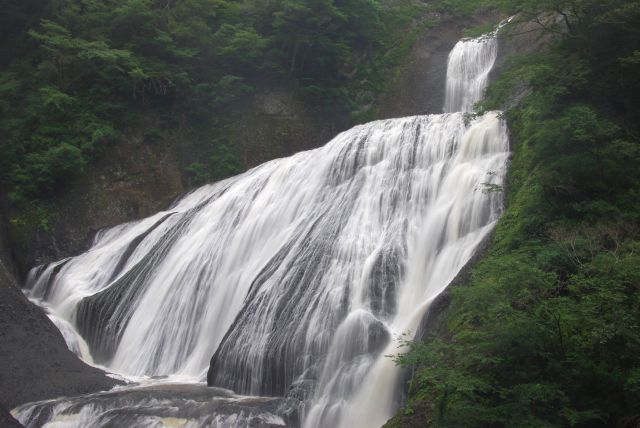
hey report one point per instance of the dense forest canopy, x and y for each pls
(547, 330)
(76, 73)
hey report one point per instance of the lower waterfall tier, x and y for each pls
(297, 275)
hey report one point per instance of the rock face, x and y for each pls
(277, 124)
(420, 88)
(35, 361)
(6, 420)
(136, 177)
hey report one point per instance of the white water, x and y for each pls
(468, 68)
(74, 341)
(301, 271)
(365, 393)
(156, 406)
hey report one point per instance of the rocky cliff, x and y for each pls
(36, 363)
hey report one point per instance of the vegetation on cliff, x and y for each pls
(77, 73)
(547, 330)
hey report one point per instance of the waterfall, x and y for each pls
(468, 68)
(357, 385)
(296, 278)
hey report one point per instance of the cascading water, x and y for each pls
(296, 276)
(468, 68)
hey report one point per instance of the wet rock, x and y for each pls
(6, 420)
(36, 363)
(160, 405)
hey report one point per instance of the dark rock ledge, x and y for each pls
(35, 363)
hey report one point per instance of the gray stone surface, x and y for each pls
(34, 359)
(6, 420)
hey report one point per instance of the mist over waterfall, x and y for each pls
(297, 277)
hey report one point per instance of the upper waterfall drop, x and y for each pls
(468, 68)
(298, 275)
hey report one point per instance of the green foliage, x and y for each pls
(198, 173)
(92, 69)
(545, 333)
(462, 8)
(225, 162)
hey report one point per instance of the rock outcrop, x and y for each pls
(420, 87)
(36, 363)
